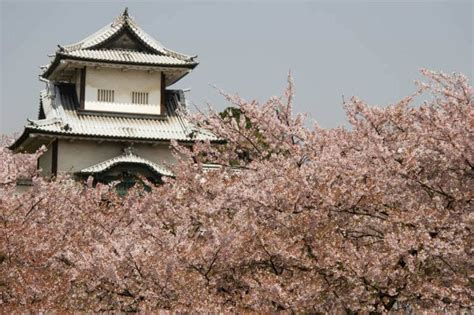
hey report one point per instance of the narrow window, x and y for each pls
(139, 98)
(105, 95)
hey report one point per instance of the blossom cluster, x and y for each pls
(372, 218)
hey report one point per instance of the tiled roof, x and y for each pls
(121, 22)
(60, 106)
(127, 157)
(125, 56)
(95, 48)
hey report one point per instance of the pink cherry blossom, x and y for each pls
(374, 217)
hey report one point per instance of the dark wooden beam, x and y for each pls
(162, 95)
(82, 89)
(54, 161)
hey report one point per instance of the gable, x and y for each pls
(125, 39)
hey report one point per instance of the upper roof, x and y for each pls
(59, 115)
(121, 22)
(121, 41)
(124, 56)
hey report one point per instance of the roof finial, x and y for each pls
(125, 12)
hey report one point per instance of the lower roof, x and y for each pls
(60, 115)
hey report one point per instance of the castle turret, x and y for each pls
(107, 93)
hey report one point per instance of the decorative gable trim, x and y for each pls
(128, 157)
(126, 30)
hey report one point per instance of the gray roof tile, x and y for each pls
(60, 106)
(116, 55)
(120, 22)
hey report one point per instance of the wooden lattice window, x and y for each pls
(105, 95)
(139, 98)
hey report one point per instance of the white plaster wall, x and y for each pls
(21, 189)
(45, 161)
(123, 83)
(160, 154)
(77, 155)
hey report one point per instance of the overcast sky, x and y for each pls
(369, 49)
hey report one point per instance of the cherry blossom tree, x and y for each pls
(376, 217)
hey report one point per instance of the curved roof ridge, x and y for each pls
(127, 157)
(94, 36)
(121, 21)
(44, 122)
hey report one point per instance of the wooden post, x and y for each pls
(162, 96)
(54, 155)
(82, 89)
